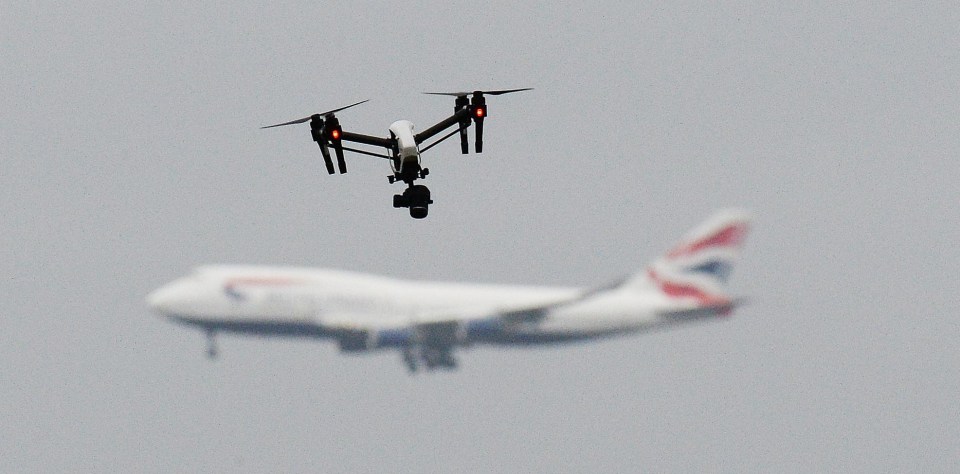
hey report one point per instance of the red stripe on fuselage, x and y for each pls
(260, 281)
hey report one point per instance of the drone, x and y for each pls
(403, 145)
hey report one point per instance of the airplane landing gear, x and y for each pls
(416, 198)
(435, 357)
(211, 345)
(410, 359)
(432, 358)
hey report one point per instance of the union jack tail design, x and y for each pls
(696, 270)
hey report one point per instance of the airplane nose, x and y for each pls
(163, 300)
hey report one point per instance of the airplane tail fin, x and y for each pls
(696, 269)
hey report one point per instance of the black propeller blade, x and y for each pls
(344, 108)
(497, 92)
(288, 123)
(324, 114)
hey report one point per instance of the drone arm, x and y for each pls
(424, 149)
(368, 153)
(461, 116)
(366, 139)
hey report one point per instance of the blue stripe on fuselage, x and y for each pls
(481, 329)
(262, 328)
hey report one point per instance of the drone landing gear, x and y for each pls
(416, 198)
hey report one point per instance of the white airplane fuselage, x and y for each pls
(323, 302)
(428, 320)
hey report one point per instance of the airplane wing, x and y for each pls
(441, 328)
(510, 314)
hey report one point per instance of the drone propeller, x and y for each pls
(325, 130)
(478, 111)
(324, 114)
(464, 94)
(344, 108)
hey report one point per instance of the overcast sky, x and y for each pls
(131, 151)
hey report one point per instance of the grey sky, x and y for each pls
(131, 152)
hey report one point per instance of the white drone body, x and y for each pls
(408, 151)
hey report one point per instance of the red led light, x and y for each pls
(335, 134)
(480, 112)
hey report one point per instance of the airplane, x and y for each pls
(428, 321)
(403, 145)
